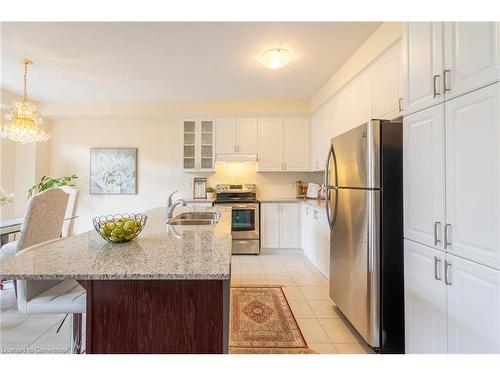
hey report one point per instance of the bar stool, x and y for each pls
(42, 224)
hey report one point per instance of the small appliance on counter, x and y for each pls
(300, 189)
(245, 225)
(313, 190)
(322, 192)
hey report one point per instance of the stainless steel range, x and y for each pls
(245, 227)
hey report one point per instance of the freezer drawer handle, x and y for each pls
(436, 268)
(436, 239)
(447, 273)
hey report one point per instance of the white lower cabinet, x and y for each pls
(279, 225)
(473, 307)
(452, 305)
(425, 299)
(316, 237)
(289, 225)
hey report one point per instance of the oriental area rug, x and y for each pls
(263, 323)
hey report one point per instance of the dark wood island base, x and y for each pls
(157, 316)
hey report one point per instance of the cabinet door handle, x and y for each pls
(436, 78)
(400, 104)
(447, 273)
(446, 76)
(307, 210)
(447, 242)
(316, 215)
(237, 148)
(436, 268)
(436, 239)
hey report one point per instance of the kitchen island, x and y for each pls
(166, 291)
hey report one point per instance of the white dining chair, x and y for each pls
(26, 239)
(42, 224)
(67, 227)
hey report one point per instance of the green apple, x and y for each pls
(110, 225)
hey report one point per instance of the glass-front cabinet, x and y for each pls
(198, 152)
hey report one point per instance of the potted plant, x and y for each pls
(48, 183)
(210, 193)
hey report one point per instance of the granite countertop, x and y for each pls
(160, 252)
(315, 203)
(198, 200)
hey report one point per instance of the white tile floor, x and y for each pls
(21, 333)
(322, 325)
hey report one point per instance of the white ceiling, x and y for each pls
(174, 61)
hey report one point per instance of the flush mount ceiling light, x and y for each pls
(275, 58)
(23, 118)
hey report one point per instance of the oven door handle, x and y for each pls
(248, 206)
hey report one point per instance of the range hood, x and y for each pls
(236, 158)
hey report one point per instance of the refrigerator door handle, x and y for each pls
(327, 168)
(331, 216)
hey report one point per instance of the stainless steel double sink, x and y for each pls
(196, 218)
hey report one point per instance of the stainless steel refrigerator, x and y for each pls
(364, 178)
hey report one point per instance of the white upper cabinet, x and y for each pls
(198, 149)
(422, 64)
(226, 136)
(318, 139)
(270, 145)
(359, 101)
(236, 136)
(283, 145)
(247, 135)
(387, 85)
(473, 176)
(473, 293)
(296, 144)
(472, 54)
(425, 300)
(424, 176)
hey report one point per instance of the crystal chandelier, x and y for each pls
(23, 118)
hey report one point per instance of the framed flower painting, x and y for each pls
(113, 171)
